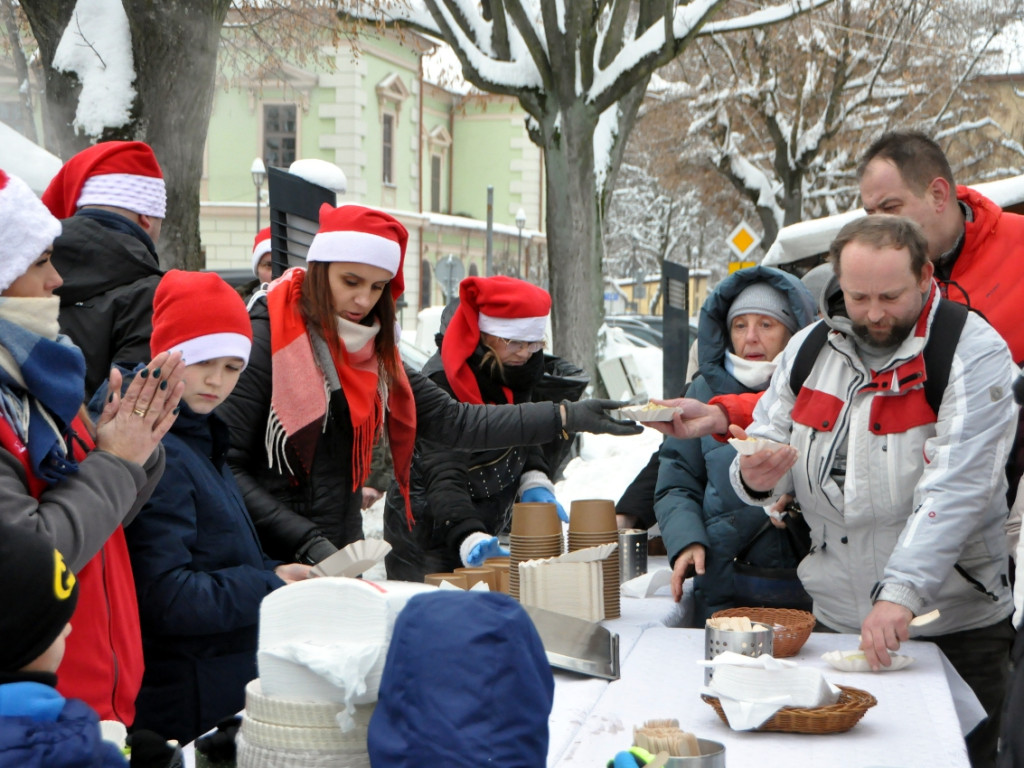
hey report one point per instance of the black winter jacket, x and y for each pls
(291, 510)
(455, 492)
(110, 274)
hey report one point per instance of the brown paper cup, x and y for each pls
(592, 515)
(486, 575)
(536, 520)
(456, 579)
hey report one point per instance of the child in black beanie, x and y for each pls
(39, 727)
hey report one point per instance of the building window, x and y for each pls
(425, 284)
(279, 135)
(388, 149)
(435, 183)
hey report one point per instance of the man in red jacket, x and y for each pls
(976, 247)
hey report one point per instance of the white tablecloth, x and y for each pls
(914, 724)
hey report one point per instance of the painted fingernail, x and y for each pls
(110, 397)
(144, 374)
(156, 373)
(163, 385)
(177, 410)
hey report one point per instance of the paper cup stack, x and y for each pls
(536, 533)
(592, 522)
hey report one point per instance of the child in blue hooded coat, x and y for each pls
(466, 683)
(39, 728)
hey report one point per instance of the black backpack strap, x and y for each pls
(806, 356)
(938, 352)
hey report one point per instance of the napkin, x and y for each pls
(751, 690)
(647, 584)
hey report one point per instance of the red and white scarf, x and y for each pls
(300, 391)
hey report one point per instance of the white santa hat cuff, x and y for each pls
(28, 228)
(519, 328)
(146, 195)
(361, 247)
(212, 346)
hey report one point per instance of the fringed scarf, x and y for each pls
(306, 371)
(42, 384)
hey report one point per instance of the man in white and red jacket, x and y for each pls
(906, 506)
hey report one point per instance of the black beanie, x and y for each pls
(38, 593)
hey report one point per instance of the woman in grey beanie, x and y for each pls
(744, 324)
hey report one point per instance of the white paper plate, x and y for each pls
(855, 661)
(752, 445)
(649, 412)
(357, 557)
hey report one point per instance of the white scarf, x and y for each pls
(753, 374)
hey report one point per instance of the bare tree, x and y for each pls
(579, 70)
(783, 113)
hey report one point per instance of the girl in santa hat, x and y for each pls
(325, 381)
(199, 571)
(491, 351)
(52, 481)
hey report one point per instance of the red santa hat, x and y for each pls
(124, 174)
(28, 229)
(501, 306)
(200, 315)
(362, 235)
(260, 246)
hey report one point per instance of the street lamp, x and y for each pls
(259, 175)
(520, 222)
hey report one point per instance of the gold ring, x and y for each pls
(139, 412)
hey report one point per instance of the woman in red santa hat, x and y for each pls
(325, 380)
(491, 351)
(52, 482)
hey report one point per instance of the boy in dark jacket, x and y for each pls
(200, 573)
(39, 728)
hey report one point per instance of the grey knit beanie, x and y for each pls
(763, 299)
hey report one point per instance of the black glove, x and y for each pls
(219, 745)
(150, 750)
(1018, 389)
(590, 416)
(314, 550)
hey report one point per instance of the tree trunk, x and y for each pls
(174, 43)
(575, 247)
(48, 19)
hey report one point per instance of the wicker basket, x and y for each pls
(792, 627)
(834, 718)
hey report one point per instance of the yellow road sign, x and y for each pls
(742, 239)
(735, 266)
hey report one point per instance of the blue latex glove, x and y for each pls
(544, 496)
(485, 550)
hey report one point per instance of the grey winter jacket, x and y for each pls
(919, 520)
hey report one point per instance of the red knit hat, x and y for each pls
(28, 229)
(124, 174)
(362, 235)
(501, 306)
(260, 246)
(200, 315)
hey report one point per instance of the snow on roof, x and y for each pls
(807, 238)
(29, 162)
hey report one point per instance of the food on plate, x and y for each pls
(751, 445)
(856, 661)
(647, 412)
